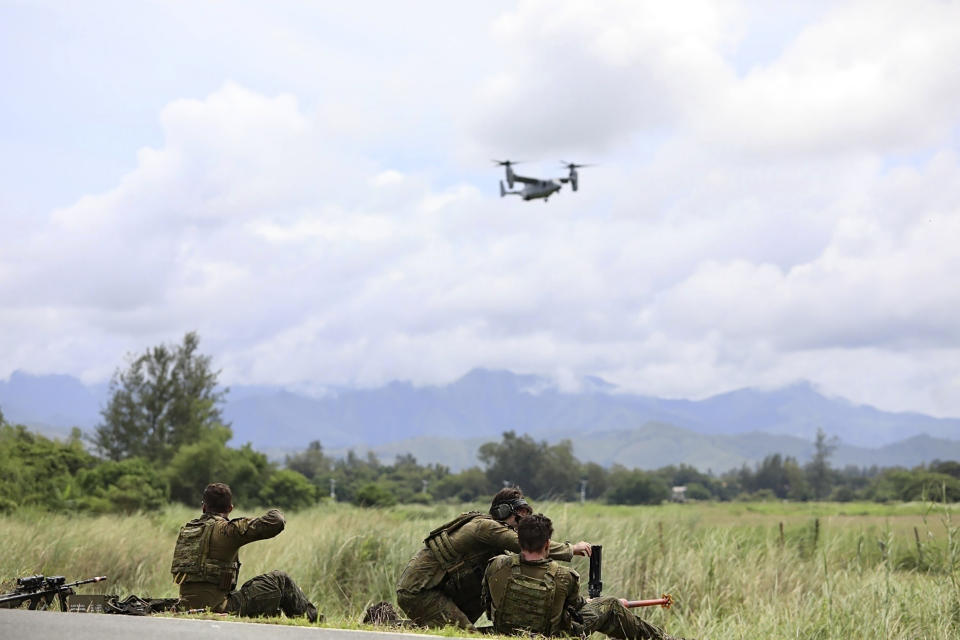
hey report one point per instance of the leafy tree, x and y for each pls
(636, 487)
(539, 469)
(771, 475)
(696, 491)
(596, 477)
(38, 471)
(797, 486)
(312, 462)
(949, 467)
(557, 475)
(129, 485)
(511, 461)
(196, 465)
(918, 484)
(409, 481)
(467, 486)
(819, 474)
(289, 489)
(373, 494)
(166, 398)
(353, 472)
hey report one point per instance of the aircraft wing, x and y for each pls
(524, 179)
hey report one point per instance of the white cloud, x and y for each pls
(324, 232)
(870, 76)
(583, 76)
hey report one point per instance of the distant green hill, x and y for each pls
(446, 423)
(654, 445)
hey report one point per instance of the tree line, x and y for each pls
(162, 438)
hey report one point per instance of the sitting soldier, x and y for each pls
(530, 593)
(205, 564)
(441, 583)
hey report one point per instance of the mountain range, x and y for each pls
(446, 423)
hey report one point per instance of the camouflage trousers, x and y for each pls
(608, 616)
(453, 602)
(269, 594)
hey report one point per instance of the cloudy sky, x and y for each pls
(309, 187)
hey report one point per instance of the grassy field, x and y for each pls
(832, 571)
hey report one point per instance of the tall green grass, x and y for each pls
(836, 571)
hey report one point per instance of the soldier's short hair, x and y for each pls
(218, 497)
(534, 531)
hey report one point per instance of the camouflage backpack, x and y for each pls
(528, 603)
(190, 556)
(439, 541)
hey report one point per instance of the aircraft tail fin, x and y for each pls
(503, 191)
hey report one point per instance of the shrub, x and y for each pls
(373, 495)
(129, 485)
(637, 487)
(289, 489)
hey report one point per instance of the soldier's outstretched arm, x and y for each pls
(501, 537)
(250, 529)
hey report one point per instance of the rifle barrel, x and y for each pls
(86, 581)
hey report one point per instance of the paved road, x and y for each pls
(22, 623)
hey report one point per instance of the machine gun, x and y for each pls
(595, 584)
(39, 591)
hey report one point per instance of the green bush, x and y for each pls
(373, 495)
(289, 489)
(196, 465)
(636, 487)
(129, 485)
(38, 471)
(696, 491)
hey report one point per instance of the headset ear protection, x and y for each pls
(501, 511)
(504, 510)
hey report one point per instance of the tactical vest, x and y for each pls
(439, 541)
(528, 603)
(191, 561)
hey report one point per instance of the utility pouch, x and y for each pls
(226, 581)
(438, 542)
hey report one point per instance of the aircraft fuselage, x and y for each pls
(539, 189)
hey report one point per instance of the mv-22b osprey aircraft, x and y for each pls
(534, 188)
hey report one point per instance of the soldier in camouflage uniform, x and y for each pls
(205, 563)
(441, 583)
(529, 593)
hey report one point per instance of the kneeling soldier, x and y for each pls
(441, 583)
(529, 593)
(206, 566)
